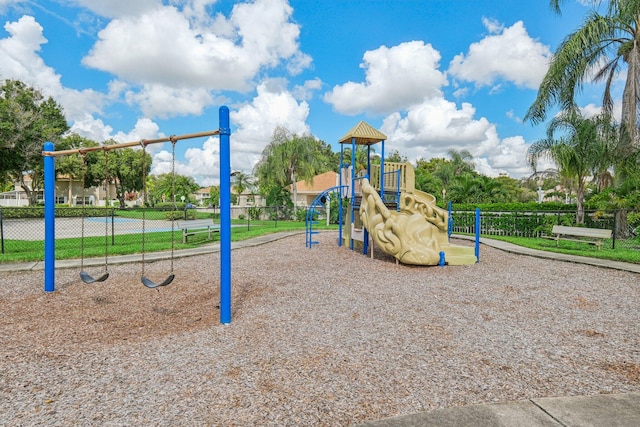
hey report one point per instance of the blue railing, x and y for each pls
(313, 212)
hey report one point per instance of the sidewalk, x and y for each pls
(614, 410)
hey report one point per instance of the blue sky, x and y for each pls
(432, 75)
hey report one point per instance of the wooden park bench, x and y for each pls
(592, 236)
(195, 226)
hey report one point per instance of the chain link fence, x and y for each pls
(98, 230)
(625, 224)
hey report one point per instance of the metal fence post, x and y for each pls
(1, 230)
(113, 237)
(477, 235)
(615, 228)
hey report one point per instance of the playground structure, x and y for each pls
(224, 132)
(385, 208)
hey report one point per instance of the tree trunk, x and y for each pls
(120, 197)
(622, 227)
(294, 189)
(580, 202)
(31, 195)
(70, 192)
(629, 101)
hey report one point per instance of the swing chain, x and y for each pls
(173, 140)
(143, 143)
(106, 211)
(84, 166)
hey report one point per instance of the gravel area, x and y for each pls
(319, 337)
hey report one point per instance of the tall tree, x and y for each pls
(462, 161)
(288, 158)
(125, 170)
(599, 48)
(241, 182)
(27, 120)
(71, 167)
(578, 153)
(173, 188)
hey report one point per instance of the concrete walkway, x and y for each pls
(617, 410)
(614, 410)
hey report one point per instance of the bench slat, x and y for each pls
(574, 233)
(582, 231)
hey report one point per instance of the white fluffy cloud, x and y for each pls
(395, 77)
(404, 81)
(171, 50)
(118, 8)
(434, 127)
(272, 106)
(21, 60)
(506, 54)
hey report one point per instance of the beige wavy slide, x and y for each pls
(416, 234)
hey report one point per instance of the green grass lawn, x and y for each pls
(94, 247)
(574, 248)
(124, 244)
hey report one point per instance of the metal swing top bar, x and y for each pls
(144, 142)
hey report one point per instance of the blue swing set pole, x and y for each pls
(477, 247)
(225, 217)
(49, 220)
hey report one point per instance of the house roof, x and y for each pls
(319, 184)
(364, 133)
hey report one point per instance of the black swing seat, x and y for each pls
(87, 278)
(151, 284)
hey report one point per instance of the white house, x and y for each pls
(68, 191)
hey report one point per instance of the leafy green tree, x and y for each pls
(27, 121)
(124, 170)
(604, 43)
(361, 157)
(579, 152)
(396, 157)
(241, 182)
(214, 195)
(461, 161)
(71, 166)
(288, 158)
(169, 189)
(466, 188)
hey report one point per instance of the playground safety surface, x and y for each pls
(155, 317)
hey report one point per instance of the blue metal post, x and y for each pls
(365, 241)
(477, 234)
(382, 171)
(225, 217)
(340, 216)
(49, 220)
(450, 221)
(353, 186)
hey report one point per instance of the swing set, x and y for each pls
(49, 154)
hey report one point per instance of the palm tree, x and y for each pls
(462, 161)
(579, 152)
(287, 158)
(241, 182)
(465, 188)
(602, 45)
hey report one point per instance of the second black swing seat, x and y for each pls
(87, 278)
(151, 284)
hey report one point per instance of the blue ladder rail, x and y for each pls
(313, 212)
